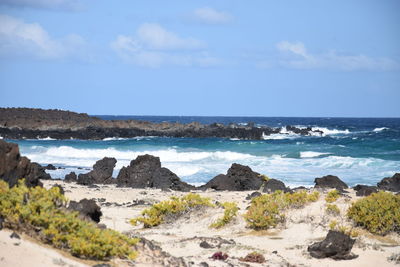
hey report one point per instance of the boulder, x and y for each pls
(70, 177)
(330, 181)
(365, 190)
(238, 178)
(390, 183)
(87, 208)
(253, 195)
(101, 173)
(14, 167)
(336, 245)
(50, 167)
(273, 185)
(146, 171)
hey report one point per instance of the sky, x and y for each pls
(314, 58)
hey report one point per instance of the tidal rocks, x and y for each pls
(336, 245)
(101, 173)
(273, 185)
(14, 167)
(330, 181)
(365, 190)
(146, 171)
(87, 208)
(50, 167)
(390, 183)
(238, 178)
(70, 177)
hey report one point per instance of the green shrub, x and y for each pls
(379, 213)
(230, 211)
(332, 196)
(41, 213)
(332, 209)
(155, 215)
(264, 177)
(267, 210)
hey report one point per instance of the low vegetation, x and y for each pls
(379, 213)
(332, 196)
(253, 257)
(267, 210)
(42, 214)
(155, 215)
(230, 211)
(334, 225)
(332, 209)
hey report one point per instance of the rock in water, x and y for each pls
(87, 208)
(71, 177)
(238, 178)
(101, 173)
(336, 245)
(14, 167)
(273, 185)
(330, 181)
(365, 190)
(390, 183)
(146, 171)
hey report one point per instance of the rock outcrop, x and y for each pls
(390, 183)
(365, 190)
(146, 171)
(238, 178)
(272, 185)
(330, 181)
(70, 177)
(336, 245)
(14, 167)
(87, 208)
(101, 173)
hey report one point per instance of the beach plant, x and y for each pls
(253, 257)
(264, 177)
(267, 210)
(230, 211)
(332, 209)
(175, 206)
(41, 213)
(219, 256)
(379, 212)
(332, 196)
(334, 225)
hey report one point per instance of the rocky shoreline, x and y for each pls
(26, 123)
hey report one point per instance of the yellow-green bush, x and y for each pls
(332, 196)
(334, 225)
(230, 211)
(267, 210)
(379, 213)
(332, 209)
(41, 213)
(155, 215)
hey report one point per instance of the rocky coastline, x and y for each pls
(27, 123)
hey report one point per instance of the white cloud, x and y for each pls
(153, 46)
(211, 16)
(298, 57)
(18, 38)
(69, 5)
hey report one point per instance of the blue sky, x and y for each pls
(225, 57)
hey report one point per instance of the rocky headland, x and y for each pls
(27, 123)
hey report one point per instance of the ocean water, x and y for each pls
(357, 150)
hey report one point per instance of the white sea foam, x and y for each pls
(380, 129)
(48, 138)
(311, 154)
(327, 131)
(114, 138)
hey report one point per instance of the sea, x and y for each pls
(357, 150)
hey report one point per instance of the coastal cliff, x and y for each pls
(27, 123)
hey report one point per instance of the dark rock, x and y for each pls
(253, 195)
(14, 167)
(101, 173)
(204, 244)
(93, 186)
(273, 185)
(87, 208)
(50, 167)
(330, 181)
(102, 265)
(299, 188)
(365, 190)
(15, 235)
(146, 171)
(275, 252)
(238, 178)
(60, 187)
(1, 222)
(71, 177)
(390, 183)
(336, 245)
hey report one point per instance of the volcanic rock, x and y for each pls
(238, 178)
(365, 190)
(87, 208)
(50, 167)
(146, 171)
(390, 183)
(336, 245)
(101, 173)
(330, 181)
(273, 185)
(70, 177)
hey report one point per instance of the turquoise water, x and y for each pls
(356, 150)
